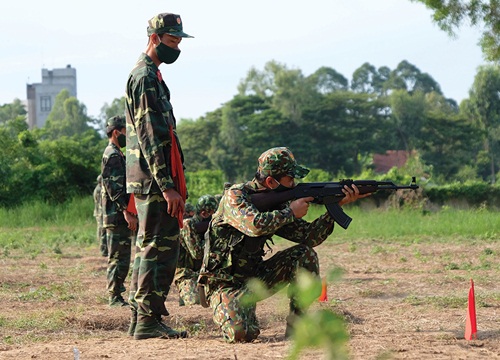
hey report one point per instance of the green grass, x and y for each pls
(414, 226)
(42, 214)
(42, 227)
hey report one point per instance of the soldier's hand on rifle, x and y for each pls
(300, 206)
(351, 194)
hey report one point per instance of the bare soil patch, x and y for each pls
(400, 301)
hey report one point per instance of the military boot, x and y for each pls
(152, 327)
(117, 300)
(291, 319)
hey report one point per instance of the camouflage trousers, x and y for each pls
(119, 240)
(238, 322)
(101, 237)
(157, 250)
(188, 290)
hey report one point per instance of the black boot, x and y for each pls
(152, 327)
(291, 319)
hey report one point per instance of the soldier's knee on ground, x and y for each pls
(237, 323)
(239, 332)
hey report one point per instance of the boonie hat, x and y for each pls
(116, 122)
(280, 161)
(167, 23)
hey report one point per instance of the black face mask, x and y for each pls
(167, 54)
(122, 140)
(280, 187)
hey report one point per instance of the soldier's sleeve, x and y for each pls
(191, 240)
(113, 179)
(240, 213)
(97, 199)
(311, 234)
(153, 131)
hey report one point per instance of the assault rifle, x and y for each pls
(325, 193)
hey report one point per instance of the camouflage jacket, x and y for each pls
(239, 232)
(114, 196)
(97, 200)
(149, 117)
(191, 249)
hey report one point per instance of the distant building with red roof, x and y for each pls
(384, 162)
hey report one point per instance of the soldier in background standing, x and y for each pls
(119, 223)
(155, 176)
(191, 251)
(101, 232)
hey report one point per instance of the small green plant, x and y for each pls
(315, 329)
(487, 252)
(378, 250)
(452, 266)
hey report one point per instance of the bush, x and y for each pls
(474, 193)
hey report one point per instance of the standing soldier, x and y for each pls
(155, 176)
(237, 238)
(120, 224)
(101, 232)
(191, 251)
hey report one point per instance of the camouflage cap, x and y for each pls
(280, 161)
(167, 23)
(116, 122)
(207, 203)
(189, 207)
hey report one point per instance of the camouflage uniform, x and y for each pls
(191, 253)
(235, 248)
(188, 210)
(149, 172)
(114, 202)
(101, 232)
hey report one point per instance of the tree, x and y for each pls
(326, 80)
(12, 111)
(288, 89)
(408, 114)
(342, 131)
(448, 142)
(484, 109)
(408, 77)
(67, 118)
(450, 15)
(196, 138)
(367, 79)
(117, 107)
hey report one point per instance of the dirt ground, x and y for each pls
(400, 301)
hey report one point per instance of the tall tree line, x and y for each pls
(336, 125)
(330, 122)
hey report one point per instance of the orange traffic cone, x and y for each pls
(470, 322)
(324, 296)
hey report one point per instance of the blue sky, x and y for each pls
(102, 40)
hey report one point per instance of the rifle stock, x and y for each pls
(327, 193)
